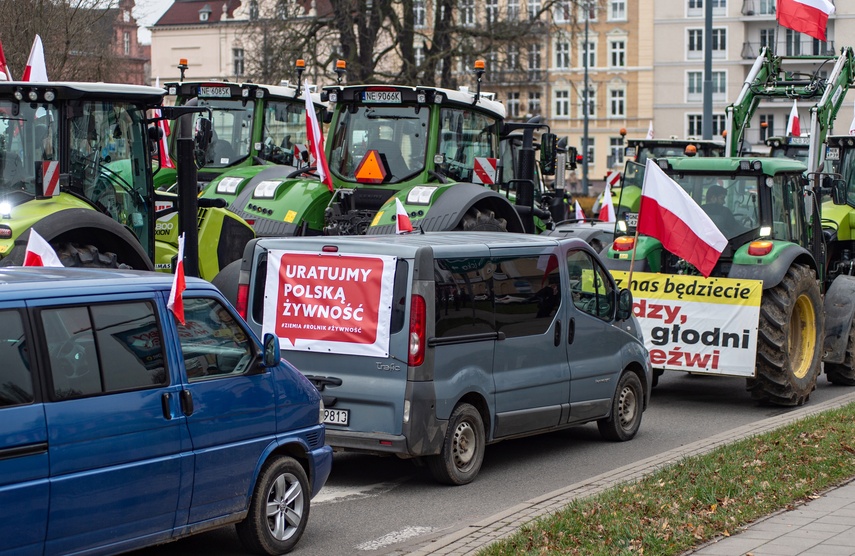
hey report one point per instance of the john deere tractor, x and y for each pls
(75, 165)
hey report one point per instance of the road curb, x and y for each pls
(478, 535)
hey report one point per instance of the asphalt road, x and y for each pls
(374, 505)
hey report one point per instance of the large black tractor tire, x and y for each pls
(482, 221)
(87, 256)
(227, 281)
(790, 340)
(844, 374)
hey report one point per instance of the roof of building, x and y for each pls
(186, 12)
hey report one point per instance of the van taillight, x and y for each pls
(418, 328)
(242, 300)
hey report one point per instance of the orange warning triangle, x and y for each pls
(371, 169)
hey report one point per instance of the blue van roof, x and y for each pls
(18, 278)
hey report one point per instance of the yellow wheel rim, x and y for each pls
(802, 340)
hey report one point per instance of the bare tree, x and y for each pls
(77, 35)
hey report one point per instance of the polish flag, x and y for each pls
(607, 207)
(316, 140)
(793, 127)
(580, 214)
(4, 67)
(670, 215)
(165, 160)
(39, 252)
(805, 16)
(402, 219)
(650, 130)
(176, 294)
(36, 69)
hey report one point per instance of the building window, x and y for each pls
(534, 62)
(587, 10)
(695, 126)
(718, 124)
(695, 83)
(492, 11)
(562, 104)
(561, 11)
(793, 42)
(617, 10)
(591, 101)
(513, 59)
(126, 43)
(203, 14)
(719, 42)
(513, 105)
(719, 85)
(616, 150)
(419, 55)
(617, 53)
(534, 103)
(419, 13)
(513, 10)
(562, 55)
(617, 103)
(769, 129)
(467, 13)
(253, 10)
(695, 45)
(767, 38)
(237, 55)
(591, 53)
(533, 9)
(767, 7)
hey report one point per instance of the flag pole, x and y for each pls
(632, 260)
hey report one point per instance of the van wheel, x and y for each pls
(625, 417)
(279, 509)
(462, 450)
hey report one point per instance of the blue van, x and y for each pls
(121, 427)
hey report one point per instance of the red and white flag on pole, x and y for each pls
(805, 16)
(793, 127)
(607, 207)
(580, 214)
(670, 215)
(176, 294)
(39, 252)
(4, 67)
(402, 219)
(650, 130)
(316, 139)
(163, 142)
(36, 69)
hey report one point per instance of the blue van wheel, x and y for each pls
(625, 415)
(279, 509)
(463, 448)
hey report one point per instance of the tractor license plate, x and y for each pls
(337, 417)
(631, 219)
(390, 97)
(217, 92)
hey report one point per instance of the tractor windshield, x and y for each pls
(28, 135)
(108, 161)
(465, 135)
(397, 133)
(730, 201)
(284, 129)
(232, 130)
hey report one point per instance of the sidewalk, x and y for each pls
(834, 534)
(822, 527)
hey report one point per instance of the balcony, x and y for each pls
(758, 7)
(802, 47)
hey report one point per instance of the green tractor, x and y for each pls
(436, 151)
(776, 232)
(75, 165)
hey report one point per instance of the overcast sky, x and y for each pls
(147, 13)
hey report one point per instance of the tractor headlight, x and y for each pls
(6, 209)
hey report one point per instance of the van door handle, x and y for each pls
(164, 403)
(571, 331)
(556, 339)
(187, 402)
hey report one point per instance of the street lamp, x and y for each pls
(587, 8)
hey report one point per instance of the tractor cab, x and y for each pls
(639, 150)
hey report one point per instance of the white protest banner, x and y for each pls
(697, 324)
(329, 303)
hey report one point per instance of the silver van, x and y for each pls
(433, 345)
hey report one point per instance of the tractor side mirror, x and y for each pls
(572, 157)
(203, 134)
(548, 143)
(838, 192)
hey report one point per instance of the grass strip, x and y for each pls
(701, 497)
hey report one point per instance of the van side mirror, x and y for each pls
(272, 355)
(624, 304)
(548, 142)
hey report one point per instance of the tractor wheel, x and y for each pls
(88, 256)
(789, 340)
(478, 221)
(844, 374)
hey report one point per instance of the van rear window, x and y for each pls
(518, 296)
(16, 381)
